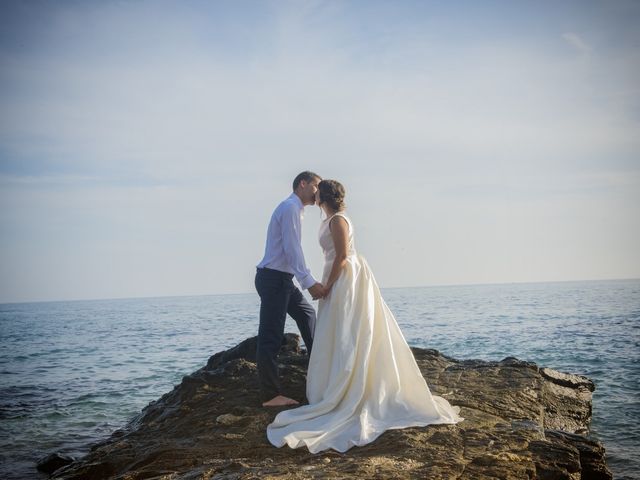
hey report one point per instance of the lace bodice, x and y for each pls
(326, 240)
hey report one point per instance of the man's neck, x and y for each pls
(301, 200)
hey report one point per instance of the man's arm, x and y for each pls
(291, 239)
(317, 291)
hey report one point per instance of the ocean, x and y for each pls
(73, 372)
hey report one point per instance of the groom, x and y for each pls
(283, 259)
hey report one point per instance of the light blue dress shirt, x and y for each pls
(283, 251)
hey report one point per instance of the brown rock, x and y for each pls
(228, 419)
(520, 422)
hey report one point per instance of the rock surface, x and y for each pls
(521, 422)
(53, 462)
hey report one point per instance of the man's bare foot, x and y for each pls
(280, 401)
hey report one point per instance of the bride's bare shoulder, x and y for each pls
(340, 219)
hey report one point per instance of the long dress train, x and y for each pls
(362, 377)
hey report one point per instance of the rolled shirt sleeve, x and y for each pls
(292, 243)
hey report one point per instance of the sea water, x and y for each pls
(73, 372)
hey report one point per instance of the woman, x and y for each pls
(362, 377)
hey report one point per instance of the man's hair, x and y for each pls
(307, 176)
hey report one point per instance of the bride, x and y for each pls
(362, 377)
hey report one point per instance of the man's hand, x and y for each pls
(317, 291)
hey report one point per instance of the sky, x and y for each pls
(145, 144)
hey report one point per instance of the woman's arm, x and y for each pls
(340, 234)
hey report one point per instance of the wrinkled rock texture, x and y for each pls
(521, 422)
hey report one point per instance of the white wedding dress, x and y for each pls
(362, 377)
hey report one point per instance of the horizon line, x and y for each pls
(381, 288)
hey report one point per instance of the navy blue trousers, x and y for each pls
(278, 297)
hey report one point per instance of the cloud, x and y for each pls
(175, 106)
(133, 133)
(578, 43)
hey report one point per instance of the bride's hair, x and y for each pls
(332, 193)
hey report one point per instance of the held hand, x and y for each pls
(317, 291)
(327, 290)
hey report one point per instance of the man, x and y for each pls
(283, 259)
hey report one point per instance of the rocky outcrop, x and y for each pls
(54, 462)
(521, 422)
